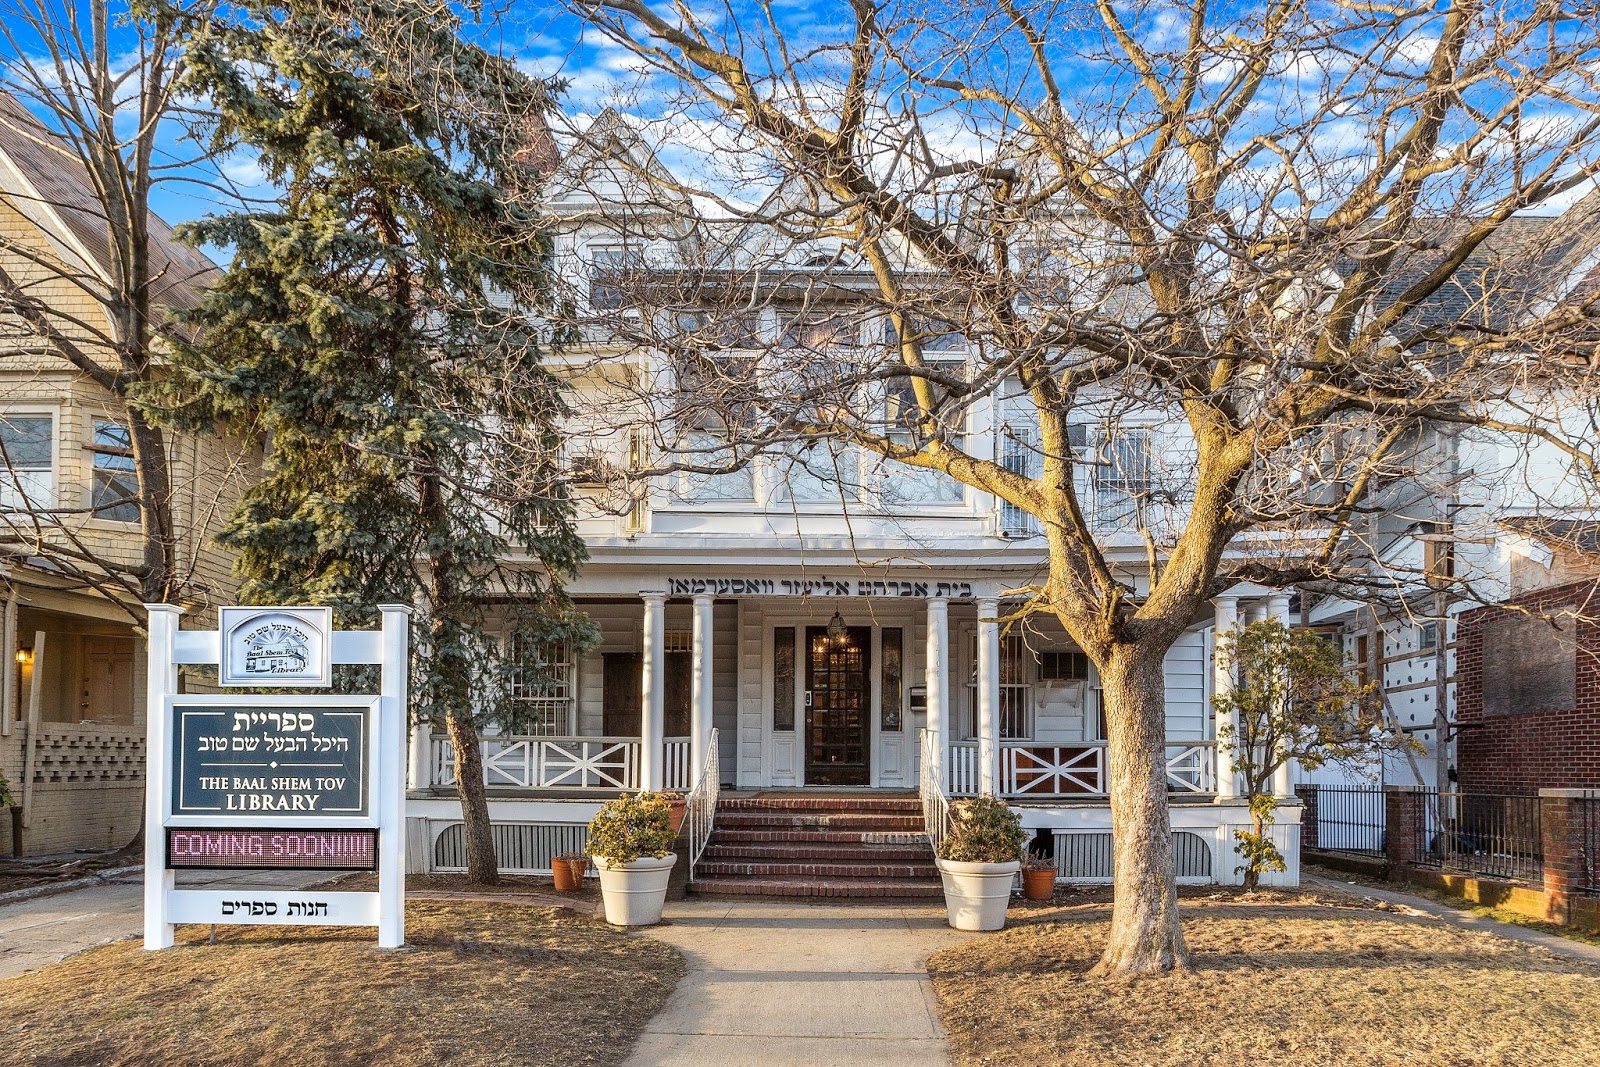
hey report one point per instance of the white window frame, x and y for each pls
(11, 491)
(95, 452)
(559, 719)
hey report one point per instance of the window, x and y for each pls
(29, 444)
(703, 449)
(1019, 453)
(1015, 713)
(1122, 480)
(823, 472)
(819, 332)
(783, 678)
(889, 690)
(1063, 666)
(907, 425)
(714, 331)
(116, 487)
(541, 687)
(609, 267)
(1428, 636)
(717, 396)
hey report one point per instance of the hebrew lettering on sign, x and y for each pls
(270, 759)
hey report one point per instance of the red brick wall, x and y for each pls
(1527, 751)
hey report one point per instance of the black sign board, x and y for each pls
(240, 849)
(267, 760)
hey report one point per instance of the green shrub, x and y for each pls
(6, 799)
(983, 830)
(632, 827)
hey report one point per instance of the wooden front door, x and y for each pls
(838, 707)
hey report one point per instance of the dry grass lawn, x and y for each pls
(1280, 980)
(479, 984)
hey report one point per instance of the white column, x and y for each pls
(1283, 777)
(1227, 617)
(161, 681)
(988, 696)
(652, 705)
(391, 803)
(419, 768)
(700, 698)
(936, 676)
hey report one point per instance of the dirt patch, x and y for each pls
(478, 984)
(1280, 978)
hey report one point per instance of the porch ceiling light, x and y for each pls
(837, 630)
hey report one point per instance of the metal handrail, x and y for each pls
(930, 789)
(702, 804)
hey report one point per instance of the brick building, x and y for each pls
(1528, 669)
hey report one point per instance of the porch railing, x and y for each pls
(527, 762)
(930, 788)
(702, 804)
(1029, 769)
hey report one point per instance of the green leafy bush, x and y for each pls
(632, 827)
(6, 799)
(983, 830)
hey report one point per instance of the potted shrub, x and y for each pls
(979, 860)
(630, 840)
(1038, 877)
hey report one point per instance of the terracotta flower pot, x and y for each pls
(569, 871)
(1038, 883)
(680, 808)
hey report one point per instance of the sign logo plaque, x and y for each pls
(270, 759)
(276, 646)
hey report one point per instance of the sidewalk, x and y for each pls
(799, 985)
(1564, 946)
(44, 930)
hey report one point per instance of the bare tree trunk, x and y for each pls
(482, 866)
(1145, 936)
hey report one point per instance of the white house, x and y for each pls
(803, 622)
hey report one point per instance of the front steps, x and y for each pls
(818, 846)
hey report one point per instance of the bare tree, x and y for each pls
(88, 107)
(1290, 243)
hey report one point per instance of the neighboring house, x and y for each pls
(72, 672)
(1449, 542)
(1528, 669)
(817, 608)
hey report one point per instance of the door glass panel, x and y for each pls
(838, 725)
(890, 698)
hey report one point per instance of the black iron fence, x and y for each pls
(1586, 811)
(1345, 820)
(1496, 835)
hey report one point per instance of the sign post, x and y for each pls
(242, 781)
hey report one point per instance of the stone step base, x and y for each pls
(755, 869)
(851, 888)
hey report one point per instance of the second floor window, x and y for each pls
(609, 268)
(29, 462)
(116, 487)
(908, 424)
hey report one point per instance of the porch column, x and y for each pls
(700, 696)
(652, 703)
(1227, 617)
(937, 671)
(1283, 777)
(988, 696)
(419, 768)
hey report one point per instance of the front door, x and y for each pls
(838, 706)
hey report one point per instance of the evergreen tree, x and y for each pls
(378, 328)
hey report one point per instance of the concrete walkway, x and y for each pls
(47, 929)
(799, 985)
(1564, 946)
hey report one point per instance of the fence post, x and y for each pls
(1308, 815)
(1562, 827)
(1405, 824)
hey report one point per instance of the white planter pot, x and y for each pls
(634, 892)
(976, 894)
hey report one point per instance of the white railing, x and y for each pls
(930, 788)
(702, 804)
(518, 762)
(678, 765)
(1028, 769)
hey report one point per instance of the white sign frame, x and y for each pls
(234, 668)
(166, 905)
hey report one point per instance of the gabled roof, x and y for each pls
(605, 143)
(49, 186)
(1580, 535)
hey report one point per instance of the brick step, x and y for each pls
(857, 852)
(855, 888)
(724, 835)
(814, 871)
(897, 805)
(734, 820)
